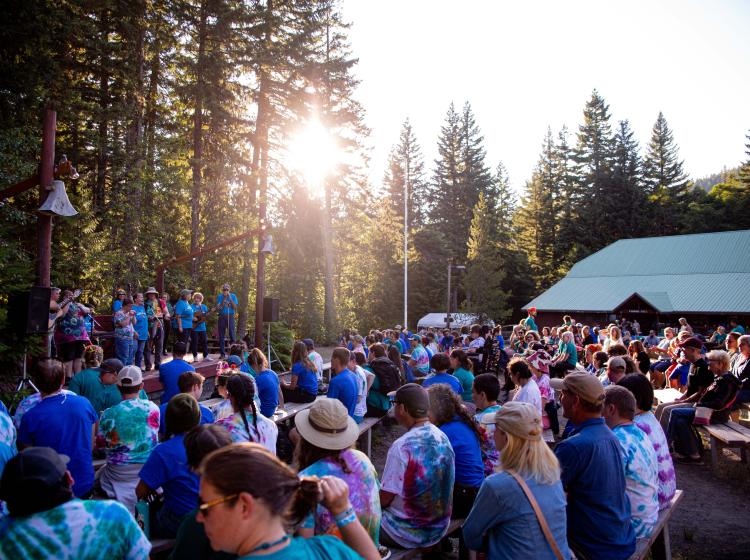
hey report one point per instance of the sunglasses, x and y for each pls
(204, 507)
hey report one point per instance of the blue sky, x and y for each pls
(527, 65)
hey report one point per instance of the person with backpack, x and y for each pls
(387, 379)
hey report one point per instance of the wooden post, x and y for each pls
(44, 221)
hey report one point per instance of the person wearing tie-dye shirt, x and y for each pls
(643, 392)
(327, 435)
(128, 432)
(7, 437)
(484, 392)
(246, 423)
(420, 360)
(417, 484)
(46, 521)
(638, 459)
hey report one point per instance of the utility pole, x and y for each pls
(44, 220)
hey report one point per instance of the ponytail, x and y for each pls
(242, 391)
(304, 501)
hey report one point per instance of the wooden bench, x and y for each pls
(658, 542)
(159, 547)
(404, 554)
(365, 427)
(729, 434)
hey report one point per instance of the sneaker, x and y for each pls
(208, 359)
(385, 552)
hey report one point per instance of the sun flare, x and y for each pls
(313, 152)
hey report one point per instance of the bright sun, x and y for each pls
(313, 152)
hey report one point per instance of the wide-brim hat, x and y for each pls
(327, 424)
(151, 290)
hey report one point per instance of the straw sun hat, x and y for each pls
(327, 424)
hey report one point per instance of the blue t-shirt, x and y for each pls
(447, 378)
(141, 322)
(200, 327)
(229, 310)
(207, 417)
(185, 311)
(594, 478)
(503, 515)
(168, 375)
(500, 341)
(167, 468)
(64, 422)
(267, 383)
(306, 378)
(116, 305)
(344, 388)
(465, 443)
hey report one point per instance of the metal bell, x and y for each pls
(57, 202)
(268, 245)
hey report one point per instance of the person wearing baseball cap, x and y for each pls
(326, 448)
(167, 468)
(226, 303)
(36, 486)
(592, 474)
(97, 381)
(616, 369)
(417, 484)
(529, 323)
(128, 432)
(119, 298)
(517, 428)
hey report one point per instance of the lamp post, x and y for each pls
(451, 267)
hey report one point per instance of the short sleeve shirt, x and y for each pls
(75, 530)
(361, 408)
(266, 433)
(419, 355)
(229, 310)
(267, 383)
(307, 380)
(530, 393)
(445, 378)
(639, 460)
(344, 388)
(167, 468)
(490, 454)
(420, 471)
(129, 431)
(200, 327)
(28, 403)
(363, 493)
(87, 383)
(126, 331)
(141, 322)
(185, 310)
(666, 479)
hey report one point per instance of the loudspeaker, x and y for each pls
(28, 312)
(270, 310)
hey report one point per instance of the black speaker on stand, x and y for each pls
(28, 312)
(270, 310)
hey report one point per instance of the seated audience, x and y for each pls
(643, 392)
(719, 396)
(566, 357)
(538, 361)
(485, 392)
(638, 353)
(326, 448)
(638, 459)
(417, 483)
(249, 498)
(98, 381)
(365, 378)
(64, 422)
(223, 408)
(315, 357)
(343, 385)
(598, 511)
(47, 522)
(502, 522)
(462, 370)
(741, 369)
(246, 423)
(267, 382)
(191, 540)
(128, 432)
(651, 340)
(7, 437)
(387, 379)
(526, 388)
(448, 413)
(303, 386)
(441, 363)
(616, 370)
(419, 360)
(189, 382)
(167, 468)
(170, 371)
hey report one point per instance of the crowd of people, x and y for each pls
(480, 442)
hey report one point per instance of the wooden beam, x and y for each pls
(18, 188)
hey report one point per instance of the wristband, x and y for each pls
(345, 518)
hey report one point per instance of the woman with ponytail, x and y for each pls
(462, 370)
(249, 499)
(246, 423)
(326, 448)
(266, 381)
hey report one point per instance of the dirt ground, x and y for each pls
(712, 522)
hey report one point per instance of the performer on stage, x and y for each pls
(157, 315)
(71, 335)
(119, 298)
(227, 304)
(198, 339)
(184, 314)
(54, 309)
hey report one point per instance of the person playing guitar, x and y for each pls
(70, 332)
(198, 335)
(157, 313)
(226, 304)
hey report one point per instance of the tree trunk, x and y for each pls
(196, 163)
(329, 309)
(103, 124)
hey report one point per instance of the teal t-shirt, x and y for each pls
(87, 383)
(570, 349)
(375, 398)
(466, 378)
(324, 547)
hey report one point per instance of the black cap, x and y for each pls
(182, 414)
(414, 398)
(31, 467)
(111, 364)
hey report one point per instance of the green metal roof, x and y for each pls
(707, 272)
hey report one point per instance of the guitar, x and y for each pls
(53, 317)
(200, 317)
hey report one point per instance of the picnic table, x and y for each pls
(283, 412)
